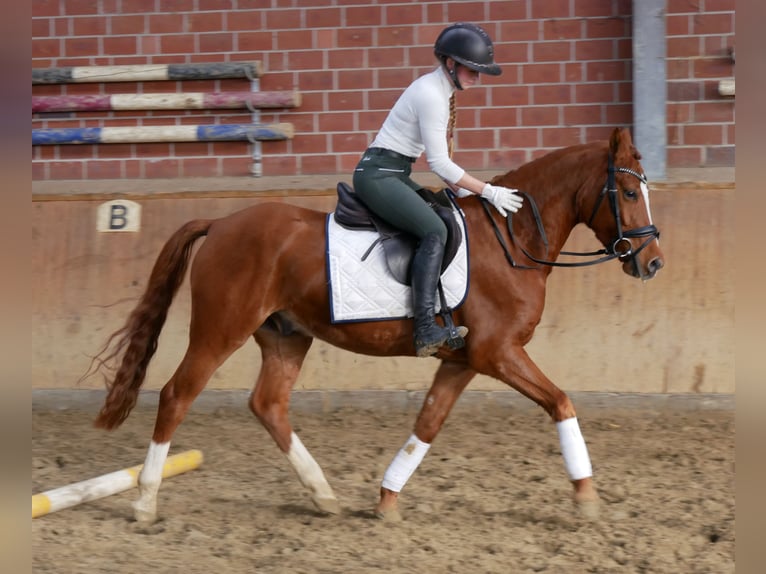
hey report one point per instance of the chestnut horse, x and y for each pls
(261, 273)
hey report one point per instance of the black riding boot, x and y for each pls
(426, 269)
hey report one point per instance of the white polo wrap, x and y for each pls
(573, 449)
(404, 464)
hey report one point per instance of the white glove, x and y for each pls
(503, 198)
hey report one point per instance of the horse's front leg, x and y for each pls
(449, 382)
(516, 369)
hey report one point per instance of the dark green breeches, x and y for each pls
(384, 185)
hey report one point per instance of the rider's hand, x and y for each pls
(502, 198)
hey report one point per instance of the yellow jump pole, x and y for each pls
(108, 484)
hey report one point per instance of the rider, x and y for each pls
(418, 122)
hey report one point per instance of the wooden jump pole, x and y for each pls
(144, 134)
(108, 484)
(169, 101)
(147, 72)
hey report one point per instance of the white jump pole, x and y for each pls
(108, 484)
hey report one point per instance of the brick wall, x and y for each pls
(566, 78)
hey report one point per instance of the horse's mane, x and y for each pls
(543, 172)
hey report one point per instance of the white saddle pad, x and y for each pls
(366, 290)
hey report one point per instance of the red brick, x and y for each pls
(684, 156)
(713, 68)
(468, 12)
(283, 20)
(306, 60)
(674, 134)
(76, 152)
(550, 9)
(191, 149)
(541, 73)
(322, 18)
(507, 159)
(65, 170)
(511, 96)
(116, 150)
(551, 94)
(684, 91)
(719, 6)
(247, 20)
(683, 47)
(395, 36)
(162, 168)
(81, 46)
(345, 58)
(353, 79)
(62, 26)
(230, 148)
(561, 137)
(371, 120)
(215, 43)
(619, 114)
(80, 7)
(39, 171)
(594, 93)
(199, 167)
(717, 156)
(134, 168)
(365, 16)
(46, 8)
(89, 26)
(235, 166)
(540, 116)
(524, 31)
(563, 29)
(112, 169)
(151, 150)
(719, 23)
(385, 58)
(679, 113)
(309, 143)
(702, 134)
(574, 72)
(594, 49)
(346, 100)
(142, 6)
(607, 28)
(117, 45)
(679, 69)
(597, 133)
(318, 164)
(583, 115)
(509, 10)
(709, 112)
(677, 25)
(164, 23)
(211, 5)
(41, 28)
(46, 48)
(280, 165)
(290, 40)
(500, 117)
(611, 71)
(336, 122)
(354, 37)
(592, 9)
(551, 51)
(204, 22)
(684, 6)
(348, 142)
(149, 45)
(178, 43)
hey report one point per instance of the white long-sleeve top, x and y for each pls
(418, 123)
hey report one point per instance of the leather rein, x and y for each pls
(622, 240)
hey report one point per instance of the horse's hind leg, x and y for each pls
(191, 376)
(449, 382)
(283, 355)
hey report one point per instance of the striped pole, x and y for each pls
(170, 101)
(145, 134)
(147, 72)
(107, 484)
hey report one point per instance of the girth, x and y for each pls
(398, 245)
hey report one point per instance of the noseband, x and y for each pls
(612, 252)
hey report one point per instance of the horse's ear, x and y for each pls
(621, 140)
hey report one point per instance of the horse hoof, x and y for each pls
(143, 515)
(327, 505)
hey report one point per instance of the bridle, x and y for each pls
(612, 252)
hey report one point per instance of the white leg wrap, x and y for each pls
(404, 464)
(145, 507)
(573, 449)
(307, 469)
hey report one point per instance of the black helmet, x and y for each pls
(469, 45)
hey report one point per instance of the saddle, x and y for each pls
(398, 245)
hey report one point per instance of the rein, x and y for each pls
(610, 190)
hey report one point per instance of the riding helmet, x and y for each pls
(469, 45)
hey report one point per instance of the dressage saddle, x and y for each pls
(398, 245)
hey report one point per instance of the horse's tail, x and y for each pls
(136, 341)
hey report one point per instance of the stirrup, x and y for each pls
(453, 337)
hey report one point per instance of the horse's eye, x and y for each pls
(630, 194)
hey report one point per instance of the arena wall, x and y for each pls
(601, 330)
(567, 78)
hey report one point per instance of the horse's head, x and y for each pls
(620, 215)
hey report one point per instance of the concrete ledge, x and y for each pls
(331, 401)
